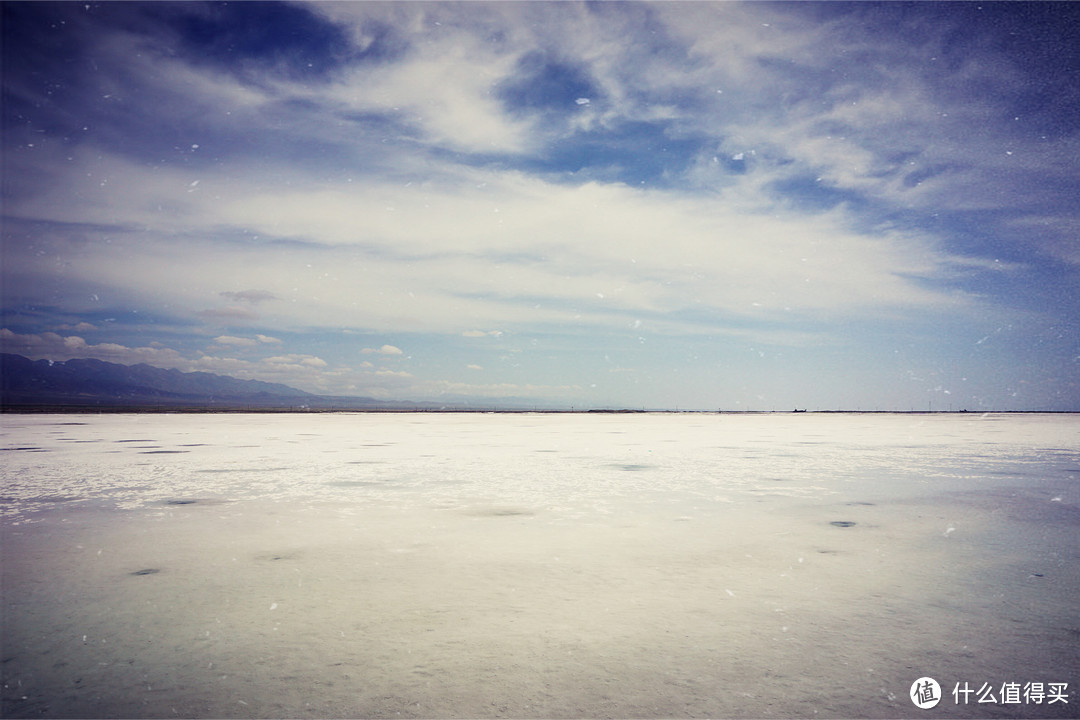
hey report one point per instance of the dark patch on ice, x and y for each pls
(277, 556)
(499, 512)
(376, 444)
(859, 502)
(842, 523)
(366, 462)
(197, 501)
(147, 571)
(546, 451)
(164, 452)
(71, 423)
(194, 445)
(633, 467)
(26, 449)
(1023, 504)
(829, 552)
(507, 512)
(137, 440)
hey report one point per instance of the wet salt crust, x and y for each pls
(661, 565)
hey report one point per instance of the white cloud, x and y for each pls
(505, 250)
(384, 350)
(634, 247)
(251, 296)
(304, 371)
(235, 341)
(297, 360)
(73, 342)
(51, 346)
(393, 373)
(78, 327)
(443, 87)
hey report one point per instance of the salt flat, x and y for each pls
(535, 565)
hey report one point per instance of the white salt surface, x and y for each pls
(426, 565)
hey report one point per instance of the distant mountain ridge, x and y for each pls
(25, 382)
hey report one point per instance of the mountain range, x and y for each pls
(45, 384)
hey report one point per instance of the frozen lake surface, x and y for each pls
(535, 565)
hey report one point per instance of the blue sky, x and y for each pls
(694, 205)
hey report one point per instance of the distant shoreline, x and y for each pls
(30, 409)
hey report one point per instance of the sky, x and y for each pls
(705, 205)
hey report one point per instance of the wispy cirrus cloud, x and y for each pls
(251, 296)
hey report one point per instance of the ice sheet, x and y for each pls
(534, 565)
